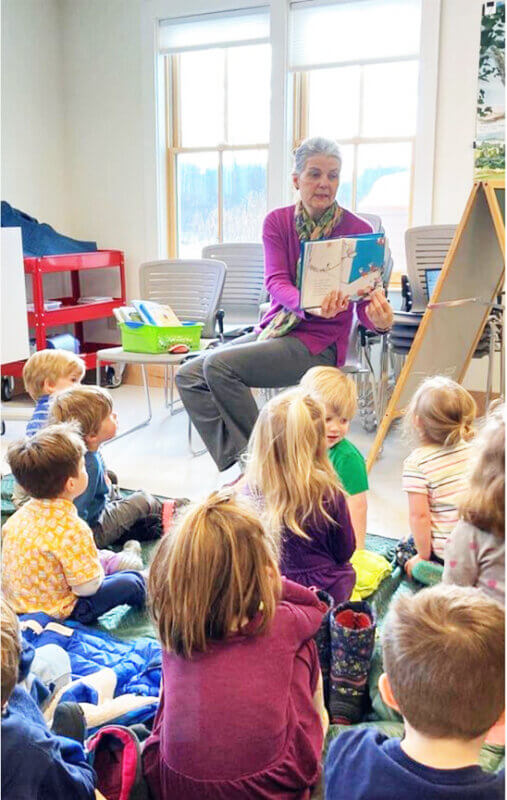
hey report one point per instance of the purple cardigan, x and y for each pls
(281, 253)
(323, 559)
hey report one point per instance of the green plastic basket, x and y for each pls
(154, 339)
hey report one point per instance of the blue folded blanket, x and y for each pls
(39, 238)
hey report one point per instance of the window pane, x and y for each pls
(202, 98)
(344, 195)
(390, 99)
(249, 90)
(197, 190)
(351, 31)
(383, 188)
(244, 190)
(334, 103)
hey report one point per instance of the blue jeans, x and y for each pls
(121, 588)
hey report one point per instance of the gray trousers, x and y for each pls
(215, 387)
(138, 516)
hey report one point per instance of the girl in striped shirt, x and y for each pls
(441, 415)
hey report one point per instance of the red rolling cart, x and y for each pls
(70, 311)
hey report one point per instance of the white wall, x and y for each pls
(32, 159)
(460, 25)
(104, 144)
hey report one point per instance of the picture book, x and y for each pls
(156, 313)
(353, 265)
(128, 315)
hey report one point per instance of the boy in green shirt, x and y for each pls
(337, 392)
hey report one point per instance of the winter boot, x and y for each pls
(352, 634)
(323, 643)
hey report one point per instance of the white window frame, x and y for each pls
(280, 143)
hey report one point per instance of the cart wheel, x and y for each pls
(114, 376)
(7, 388)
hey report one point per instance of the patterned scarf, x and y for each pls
(307, 229)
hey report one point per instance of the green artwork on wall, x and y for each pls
(490, 130)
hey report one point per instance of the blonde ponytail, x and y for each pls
(288, 463)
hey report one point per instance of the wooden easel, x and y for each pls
(447, 337)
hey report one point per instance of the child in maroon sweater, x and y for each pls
(241, 713)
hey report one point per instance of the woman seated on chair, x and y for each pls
(215, 388)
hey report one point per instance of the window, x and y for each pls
(218, 73)
(355, 66)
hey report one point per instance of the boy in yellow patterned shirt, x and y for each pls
(50, 561)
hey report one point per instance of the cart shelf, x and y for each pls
(71, 312)
(98, 259)
(74, 312)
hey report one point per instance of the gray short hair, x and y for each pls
(316, 146)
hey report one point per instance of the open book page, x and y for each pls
(353, 265)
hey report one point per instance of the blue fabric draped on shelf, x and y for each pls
(39, 238)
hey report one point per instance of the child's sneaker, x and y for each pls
(69, 720)
(129, 558)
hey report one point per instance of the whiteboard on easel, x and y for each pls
(15, 343)
(447, 337)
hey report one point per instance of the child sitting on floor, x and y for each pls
(50, 561)
(45, 373)
(35, 763)
(110, 516)
(444, 656)
(475, 552)
(441, 413)
(338, 393)
(241, 714)
(290, 475)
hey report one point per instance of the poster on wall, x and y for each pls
(490, 129)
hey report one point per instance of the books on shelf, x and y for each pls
(353, 264)
(95, 299)
(49, 305)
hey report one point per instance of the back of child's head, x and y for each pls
(11, 649)
(87, 405)
(212, 575)
(484, 501)
(43, 463)
(444, 654)
(333, 388)
(50, 366)
(441, 412)
(288, 461)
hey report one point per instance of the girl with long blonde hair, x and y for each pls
(440, 417)
(302, 500)
(241, 714)
(475, 552)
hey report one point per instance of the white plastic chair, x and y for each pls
(426, 247)
(243, 290)
(192, 287)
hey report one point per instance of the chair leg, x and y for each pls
(148, 419)
(174, 406)
(373, 382)
(384, 377)
(190, 445)
(491, 360)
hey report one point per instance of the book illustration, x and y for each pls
(353, 265)
(128, 315)
(156, 313)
